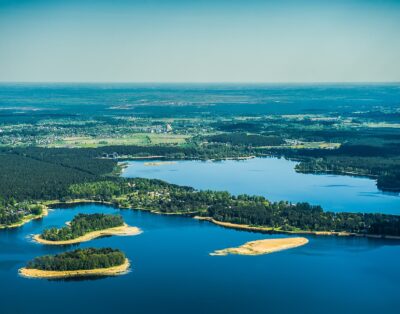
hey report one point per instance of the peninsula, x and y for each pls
(78, 263)
(85, 227)
(260, 247)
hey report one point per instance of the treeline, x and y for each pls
(386, 170)
(81, 259)
(82, 224)
(246, 139)
(12, 212)
(44, 173)
(243, 209)
(192, 151)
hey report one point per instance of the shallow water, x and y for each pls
(275, 179)
(173, 272)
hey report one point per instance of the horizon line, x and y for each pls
(201, 83)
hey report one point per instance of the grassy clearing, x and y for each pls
(135, 139)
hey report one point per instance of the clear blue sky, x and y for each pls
(199, 41)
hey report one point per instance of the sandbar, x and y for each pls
(263, 246)
(159, 163)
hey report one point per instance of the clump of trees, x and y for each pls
(81, 259)
(82, 224)
(12, 212)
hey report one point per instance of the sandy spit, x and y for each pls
(124, 230)
(263, 246)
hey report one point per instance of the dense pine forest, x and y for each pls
(32, 174)
(81, 259)
(82, 224)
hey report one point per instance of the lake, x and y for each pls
(275, 179)
(173, 272)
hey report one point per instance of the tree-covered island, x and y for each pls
(85, 227)
(81, 262)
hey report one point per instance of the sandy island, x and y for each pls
(263, 246)
(124, 230)
(160, 163)
(110, 271)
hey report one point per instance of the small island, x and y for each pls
(260, 247)
(78, 263)
(85, 227)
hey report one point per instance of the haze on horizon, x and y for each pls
(199, 41)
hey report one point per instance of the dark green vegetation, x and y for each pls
(162, 197)
(343, 129)
(81, 259)
(82, 224)
(12, 212)
(381, 162)
(38, 173)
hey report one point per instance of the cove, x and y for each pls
(276, 179)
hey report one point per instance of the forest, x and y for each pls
(82, 224)
(162, 197)
(81, 259)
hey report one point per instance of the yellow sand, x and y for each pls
(159, 163)
(110, 271)
(263, 246)
(124, 230)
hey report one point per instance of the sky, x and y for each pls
(248, 41)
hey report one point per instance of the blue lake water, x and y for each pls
(275, 179)
(172, 272)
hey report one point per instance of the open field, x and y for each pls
(135, 139)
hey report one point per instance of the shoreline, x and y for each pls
(53, 203)
(110, 271)
(304, 232)
(26, 219)
(159, 163)
(124, 230)
(261, 247)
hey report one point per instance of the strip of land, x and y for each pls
(26, 219)
(270, 229)
(110, 271)
(124, 230)
(159, 163)
(263, 246)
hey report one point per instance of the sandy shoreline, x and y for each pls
(111, 271)
(124, 230)
(159, 163)
(260, 247)
(272, 230)
(27, 219)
